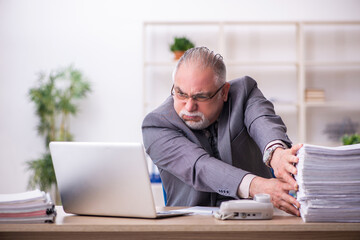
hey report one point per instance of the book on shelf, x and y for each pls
(27, 207)
(329, 180)
(314, 95)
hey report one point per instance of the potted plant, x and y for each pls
(55, 99)
(180, 45)
(350, 139)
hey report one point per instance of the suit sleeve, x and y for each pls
(262, 123)
(173, 152)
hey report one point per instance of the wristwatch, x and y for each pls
(269, 153)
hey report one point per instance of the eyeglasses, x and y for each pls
(198, 97)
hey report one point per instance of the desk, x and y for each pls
(185, 227)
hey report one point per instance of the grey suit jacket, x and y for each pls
(190, 175)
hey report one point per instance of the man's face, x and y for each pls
(193, 81)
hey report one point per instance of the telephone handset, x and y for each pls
(259, 208)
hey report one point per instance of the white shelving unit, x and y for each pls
(285, 58)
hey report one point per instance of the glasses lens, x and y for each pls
(201, 98)
(181, 96)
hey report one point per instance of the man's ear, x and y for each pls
(225, 91)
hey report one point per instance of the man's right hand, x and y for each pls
(279, 192)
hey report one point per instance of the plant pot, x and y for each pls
(178, 54)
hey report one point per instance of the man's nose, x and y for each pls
(191, 105)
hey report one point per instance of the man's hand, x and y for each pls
(283, 161)
(279, 192)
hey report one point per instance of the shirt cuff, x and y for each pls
(244, 187)
(274, 143)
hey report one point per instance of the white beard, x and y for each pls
(202, 124)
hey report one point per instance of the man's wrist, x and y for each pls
(270, 149)
(244, 187)
(253, 188)
(272, 156)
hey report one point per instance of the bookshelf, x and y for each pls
(285, 58)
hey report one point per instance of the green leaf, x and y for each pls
(181, 44)
(43, 172)
(54, 98)
(351, 139)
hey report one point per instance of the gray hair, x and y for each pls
(204, 58)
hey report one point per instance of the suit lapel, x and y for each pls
(224, 144)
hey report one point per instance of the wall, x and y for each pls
(104, 39)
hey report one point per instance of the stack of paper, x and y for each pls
(329, 183)
(27, 207)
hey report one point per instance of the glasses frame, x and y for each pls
(194, 97)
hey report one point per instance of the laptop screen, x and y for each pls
(109, 179)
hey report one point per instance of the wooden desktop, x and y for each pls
(282, 226)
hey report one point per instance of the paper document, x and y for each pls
(27, 207)
(198, 210)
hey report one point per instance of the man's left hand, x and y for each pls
(283, 161)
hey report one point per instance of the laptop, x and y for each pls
(105, 179)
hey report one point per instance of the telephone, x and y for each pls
(259, 208)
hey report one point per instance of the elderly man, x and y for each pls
(214, 140)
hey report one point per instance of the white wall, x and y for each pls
(104, 39)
